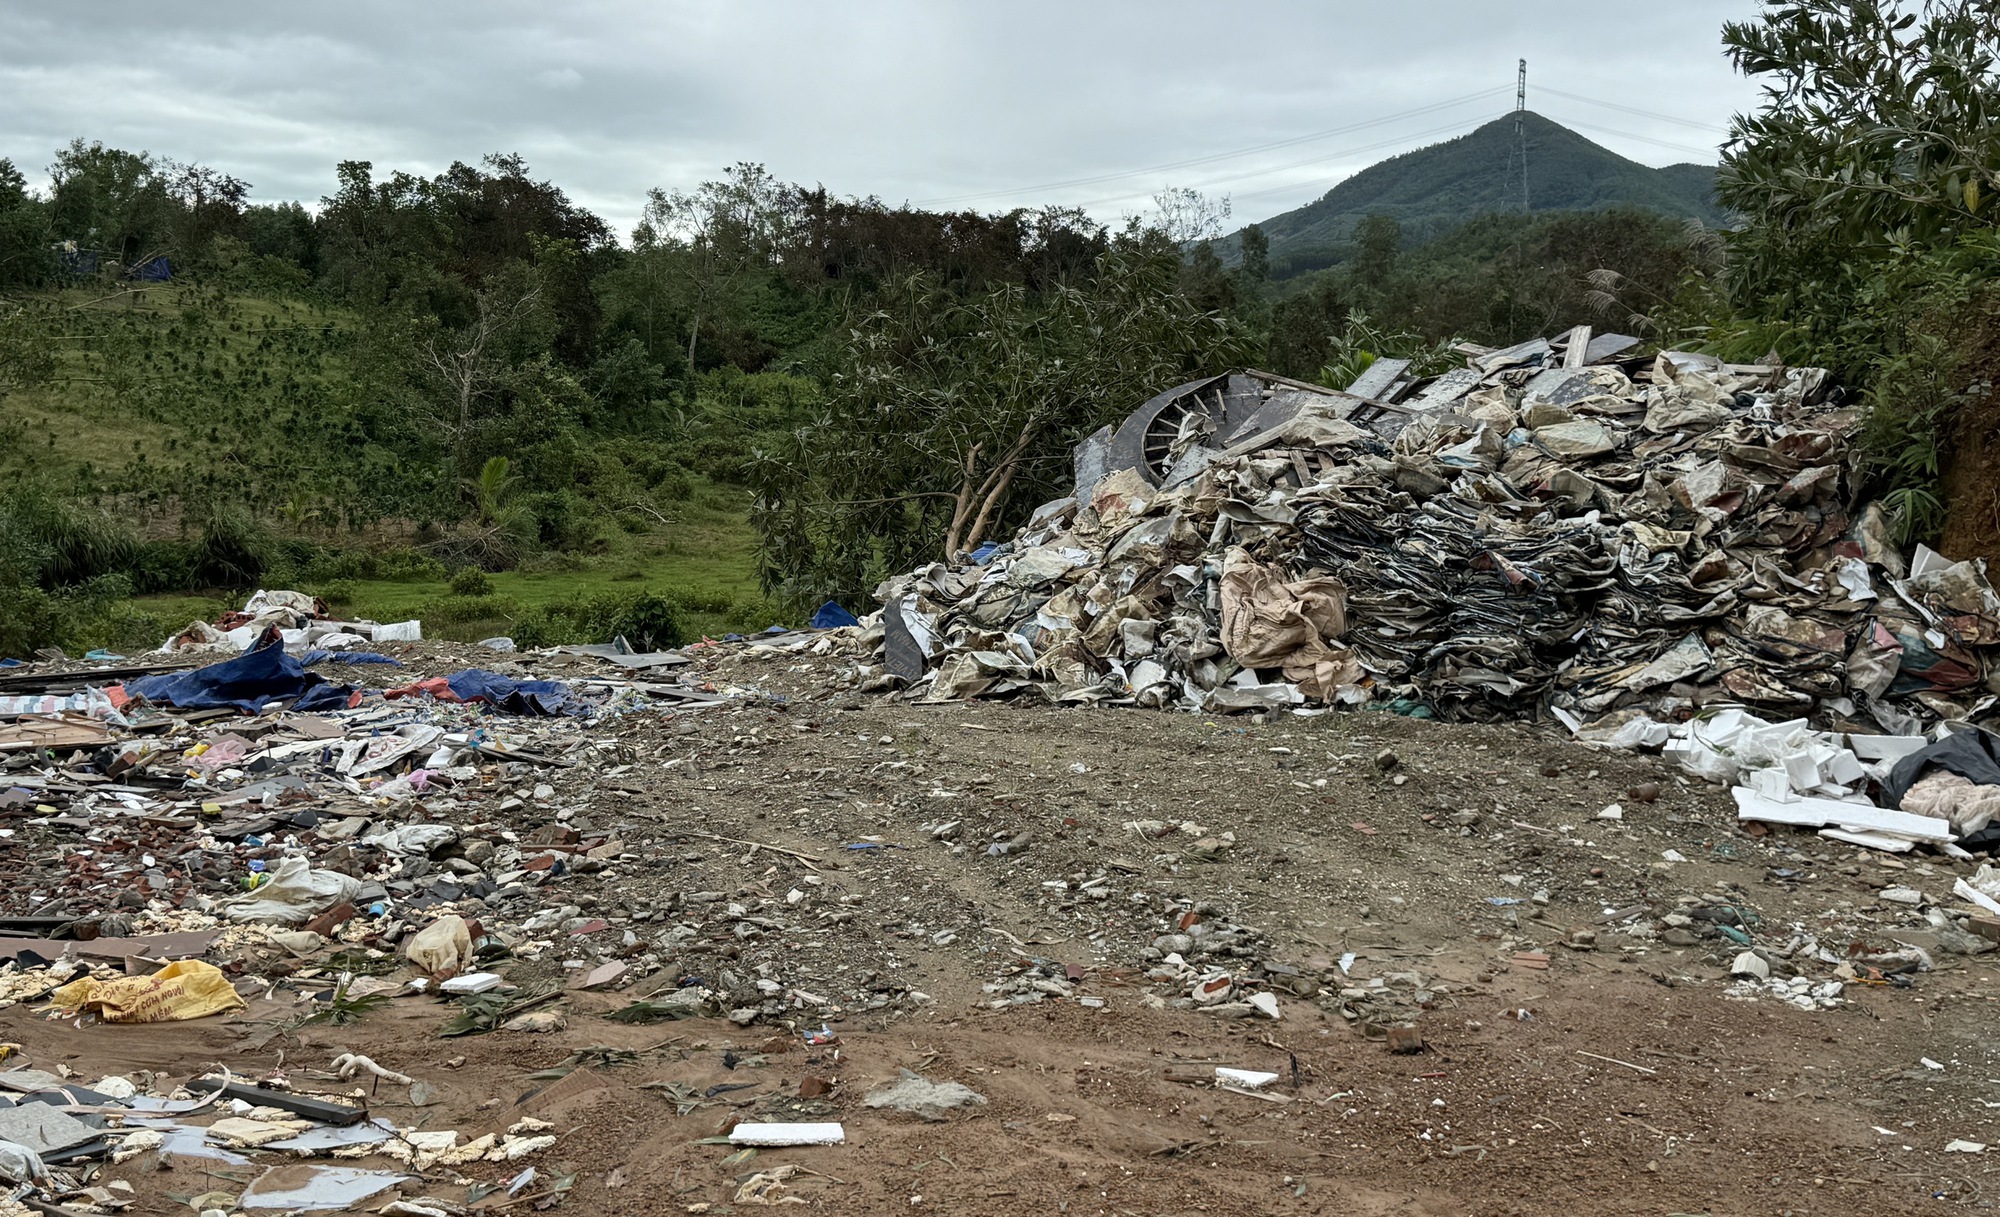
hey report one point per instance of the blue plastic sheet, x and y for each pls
(831, 616)
(313, 657)
(984, 552)
(536, 697)
(248, 682)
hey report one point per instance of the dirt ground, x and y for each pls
(1620, 1076)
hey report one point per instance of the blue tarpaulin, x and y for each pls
(537, 697)
(516, 696)
(831, 617)
(313, 657)
(248, 682)
(985, 551)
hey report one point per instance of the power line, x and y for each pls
(1219, 156)
(1318, 160)
(1612, 105)
(1645, 139)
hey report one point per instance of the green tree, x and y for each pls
(1303, 325)
(1378, 239)
(25, 236)
(110, 200)
(708, 249)
(1256, 255)
(1878, 130)
(943, 409)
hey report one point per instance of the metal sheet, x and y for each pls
(316, 1188)
(1446, 389)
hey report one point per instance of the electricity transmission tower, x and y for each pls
(1519, 152)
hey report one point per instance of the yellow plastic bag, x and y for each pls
(186, 989)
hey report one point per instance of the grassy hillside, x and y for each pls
(1436, 189)
(155, 409)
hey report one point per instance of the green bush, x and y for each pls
(754, 613)
(73, 542)
(555, 562)
(709, 602)
(389, 566)
(646, 620)
(233, 550)
(76, 619)
(470, 581)
(29, 618)
(163, 566)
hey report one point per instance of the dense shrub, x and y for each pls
(470, 581)
(232, 550)
(646, 620)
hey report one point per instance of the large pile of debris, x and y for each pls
(1624, 542)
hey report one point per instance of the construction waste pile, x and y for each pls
(1658, 551)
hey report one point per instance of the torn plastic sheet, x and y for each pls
(1688, 659)
(533, 698)
(92, 703)
(1973, 755)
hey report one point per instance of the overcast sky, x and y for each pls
(1092, 102)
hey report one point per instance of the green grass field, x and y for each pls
(703, 559)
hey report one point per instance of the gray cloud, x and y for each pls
(907, 100)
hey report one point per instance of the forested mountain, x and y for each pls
(1439, 188)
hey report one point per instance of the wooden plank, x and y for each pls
(1289, 383)
(46, 682)
(34, 734)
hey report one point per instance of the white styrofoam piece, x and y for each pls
(1856, 817)
(1801, 770)
(1966, 891)
(1249, 1079)
(1872, 840)
(1771, 783)
(1845, 768)
(787, 1134)
(1886, 747)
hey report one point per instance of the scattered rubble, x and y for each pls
(479, 919)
